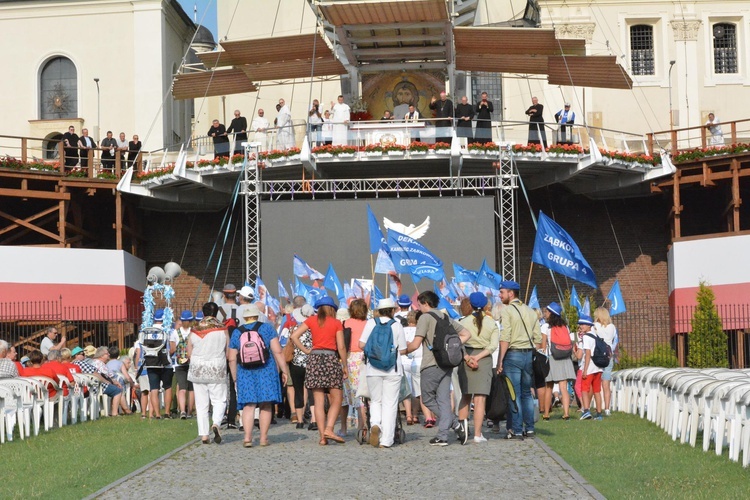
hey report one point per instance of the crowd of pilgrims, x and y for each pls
(316, 374)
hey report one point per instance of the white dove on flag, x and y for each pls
(411, 230)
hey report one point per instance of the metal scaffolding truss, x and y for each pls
(505, 203)
(501, 185)
(450, 186)
(250, 190)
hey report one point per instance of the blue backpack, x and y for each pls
(379, 349)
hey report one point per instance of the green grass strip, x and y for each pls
(80, 459)
(625, 456)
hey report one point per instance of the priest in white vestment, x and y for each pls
(285, 131)
(341, 114)
(260, 126)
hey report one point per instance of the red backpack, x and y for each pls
(253, 352)
(560, 345)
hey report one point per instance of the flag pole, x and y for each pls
(372, 268)
(528, 283)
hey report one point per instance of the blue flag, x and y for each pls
(348, 293)
(282, 291)
(274, 304)
(575, 301)
(534, 300)
(556, 250)
(410, 256)
(464, 275)
(616, 302)
(444, 304)
(443, 289)
(488, 277)
(376, 235)
(302, 270)
(384, 264)
(332, 283)
(586, 307)
(261, 292)
(394, 284)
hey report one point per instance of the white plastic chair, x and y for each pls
(11, 409)
(53, 405)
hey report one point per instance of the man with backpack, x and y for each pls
(404, 306)
(519, 337)
(443, 339)
(595, 353)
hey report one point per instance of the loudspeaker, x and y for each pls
(156, 275)
(172, 270)
(459, 87)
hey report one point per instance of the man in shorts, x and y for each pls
(591, 375)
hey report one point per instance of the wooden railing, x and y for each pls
(693, 133)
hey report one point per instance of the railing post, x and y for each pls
(650, 143)
(90, 153)
(733, 128)
(673, 138)
(61, 155)
(24, 152)
(118, 164)
(703, 137)
(139, 162)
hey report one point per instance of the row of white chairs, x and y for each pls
(25, 402)
(684, 401)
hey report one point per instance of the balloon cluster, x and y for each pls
(160, 282)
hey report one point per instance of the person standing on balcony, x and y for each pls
(285, 133)
(221, 142)
(341, 114)
(109, 147)
(537, 134)
(484, 110)
(122, 149)
(464, 115)
(314, 122)
(134, 147)
(85, 144)
(566, 118)
(714, 126)
(260, 126)
(238, 127)
(70, 143)
(444, 117)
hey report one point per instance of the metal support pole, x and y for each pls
(505, 206)
(251, 192)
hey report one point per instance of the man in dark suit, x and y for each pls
(221, 142)
(444, 117)
(238, 127)
(483, 132)
(70, 143)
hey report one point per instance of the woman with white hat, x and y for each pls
(384, 385)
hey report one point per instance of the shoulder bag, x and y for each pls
(539, 361)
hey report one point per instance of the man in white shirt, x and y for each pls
(714, 126)
(314, 122)
(48, 342)
(341, 113)
(122, 149)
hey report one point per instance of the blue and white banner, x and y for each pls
(616, 302)
(488, 277)
(410, 256)
(586, 307)
(534, 300)
(376, 235)
(464, 275)
(556, 250)
(282, 291)
(384, 264)
(261, 291)
(575, 300)
(444, 304)
(332, 283)
(302, 270)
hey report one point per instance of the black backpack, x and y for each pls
(602, 352)
(502, 399)
(446, 345)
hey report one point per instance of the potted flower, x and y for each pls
(324, 151)
(154, 174)
(293, 154)
(374, 149)
(419, 148)
(395, 149)
(442, 148)
(344, 151)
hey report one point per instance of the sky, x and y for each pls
(209, 21)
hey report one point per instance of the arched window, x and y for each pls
(725, 48)
(58, 89)
(642, 49)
